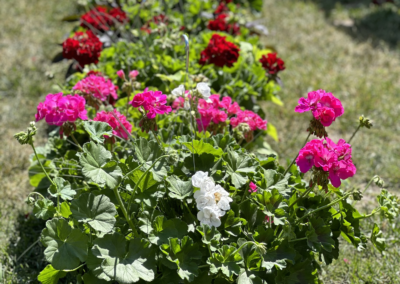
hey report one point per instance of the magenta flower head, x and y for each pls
(153, 102)
(58, 109)
(324, 107)
(329, 161)
(253, 187)
(111, 119)
(121, 74)
(96, 89)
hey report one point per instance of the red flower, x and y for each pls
(84, 47)
(272, 63)
(222, 8)
(219, 52)
(220, 24)
(99, 19)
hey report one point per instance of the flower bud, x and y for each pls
(121, 74)
(27, 136)
(133, 74)
(357, 195)
(379, 182)
(365, 122)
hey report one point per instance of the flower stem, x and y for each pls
(122, 206)
(190, 212)
(158, 140)
(301, 239)
(303, 195)
(288, 168)
(76, 142)
(354, 133)
(41, 165)
(365, 189)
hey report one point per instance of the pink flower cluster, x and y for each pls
(324, 106)
(97, 87)
(253, 187)
(328, 156)
(153, 102)
(109, 117)
(218, 111)
(57, 109)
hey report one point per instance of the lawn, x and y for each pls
(347, 49)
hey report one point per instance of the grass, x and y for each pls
(29, 37)
(348, 48)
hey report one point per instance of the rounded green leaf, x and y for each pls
(65, 247)
(62, 188)
(97, 211)
(97, 130)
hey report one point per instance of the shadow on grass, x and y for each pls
(377, 24)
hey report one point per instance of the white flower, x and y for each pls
(222, 198)
(198, 178)
(178, 92)
(206, 187)
(186, 105)
(210, 216)
(204, 90)
(205, 199)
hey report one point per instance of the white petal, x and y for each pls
(215, 221)
(204, 90)
(198, 178)
(178, 92)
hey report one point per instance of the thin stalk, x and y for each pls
(158, 140)
(122, 206)
(325, 206)
(28, 249)
(41, 165)
(354, 134)
(365, 189)
(288, 168)
(190, 212)
(302, 196)
(76, 142)
(301, 239)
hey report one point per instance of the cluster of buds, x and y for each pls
(147, 124)
(365, 122)
(26, 137)
(199, 78)
(130, 85)
(317, 128)
(243, 132)
(320, 177)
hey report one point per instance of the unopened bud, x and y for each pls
(379, 182)
(357, 195)
(26, 137)
(365, 122)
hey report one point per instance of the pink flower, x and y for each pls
(346, 260)
(324, 106)
(133, 74)
(252, 119)
(253, 187)
(153, 102)
(334, 159)
(121, 74)
(57, 109)
(233, 108)
(118, 130)
(97, 87)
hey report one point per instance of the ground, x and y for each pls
(350, 50)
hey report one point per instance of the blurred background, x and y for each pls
(350, 48)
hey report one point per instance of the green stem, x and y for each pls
(369, 215)
(158, 140)
(354, 134)
(141, 177)
(76, 142)
(288, 168)
(190, 212)
(302, 196)
(242, 246)
(122, 206)
(365, 189)
(41, 165)
(301, 239)
(203, 266)
(325, 206)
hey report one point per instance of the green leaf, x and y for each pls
(377, 240)
(226, 261)
(89, 278)
(271, 131)
(165, 229)
(319, 236)
(277, 257)
(65, 247)
(183, 255)
(200, 147)
(98, 167)
(277, 181)
(238, 166)
(65, 209)
(97, 130)
(62, 189)
(232, 224)
(249, 278)
(179, 189)
(210, 236)
(96, 211)
(37, 178)
(44, 209)
(122, 264)
(49, 275)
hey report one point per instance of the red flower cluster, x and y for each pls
(157, 20)
(272, 63)
(220, 24)
(84, 47)
(221, 9)
(219, 52)
(100, 19)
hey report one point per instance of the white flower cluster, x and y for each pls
(212, 200)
